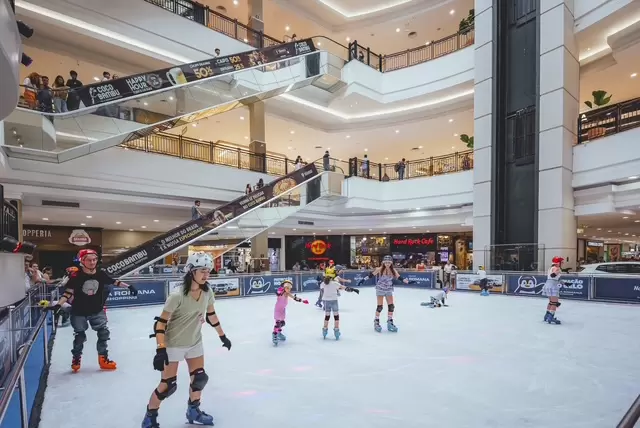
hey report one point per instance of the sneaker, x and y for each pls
(75, 363)
(105, 363)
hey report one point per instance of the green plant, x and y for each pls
(600, 99)
(466, 24)
(468, 140)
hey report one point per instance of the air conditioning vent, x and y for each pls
(60, 204)
(221, 9)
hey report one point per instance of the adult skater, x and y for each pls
(483, 282)
(87, 288)
(179, 337)
(331, 293)
(551, 289)
(280, 310)
(386, 274)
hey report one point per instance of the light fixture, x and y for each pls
(194, 124)
(455, 135)
(292, 132)
(397, 30)
(89, 216)
(608, 231)
(130, 230)
(295, 230)
(118, 222)
(319, 43)
(156, 221)
(83, 224)
(397, 131)
(348, 136)
(370, 230)
(45, 218)
(366, 150)
(626, 234)
(450, 120)
(348, 39)
(624, 218)
(637, 221)
(170, 98)
(289, 147)
(428, 231)
(453, 147)
(146, 103)
(144, 227)
(452, 12)
(97, 79)
(414, 227)
(419, 147)
(633, 177)
(328, 148)
(599, 228)
(287, 28)
(246, 138)
(633, 75)
(241, 117)
(235, 2)
(386, 158)
(328, 230)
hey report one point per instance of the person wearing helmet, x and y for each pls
(439, 300)
(551, 289)
(386, 274)
(335, 274)
(483, 282)
(86, 288)
(280, 310)
(178, 333)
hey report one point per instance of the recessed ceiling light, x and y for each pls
(130, 230)
(366, 150)
(451, 12)
(83, 224)
(419, 147)
(624, 218)
(450, 120)
(319, 43)
(384, 233)
(292, 132)
(45, 218)
(328, 148)
(633, 177)
(370, 230)
(235, 2)
(348, 136)
(246, 138)
(633, 75)
(144, 227)
(386, 158)
(289, 147)
(146, 103)
(89, 216)
(397, 131)
(287, 28)
(156, 221)
(414, 227)
(609, 231)
(637, 221)
(194, 124)
(241, 117)
(588, 49)
(626, 234)
(118, 222)
(599, 228)
(295, 229)
(97, 79)
(427, 231)
(397, 30)
(453, 147)
(328, 230)
(348, 39)
(455, 135)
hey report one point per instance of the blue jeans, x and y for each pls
(61, 105)
(80, 324)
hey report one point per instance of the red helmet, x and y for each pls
(85, 252)
(330, 262)
(557, 260)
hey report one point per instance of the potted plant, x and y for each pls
(468, 140)
(600, 99)
(465, 27)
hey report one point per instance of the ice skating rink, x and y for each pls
(482, 362)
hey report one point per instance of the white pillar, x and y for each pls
(558, 113)
(483, 132)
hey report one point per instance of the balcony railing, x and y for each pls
(609, 120)
(233, 28)
(237, 157)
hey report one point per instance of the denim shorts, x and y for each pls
(331, 305)
(384, 292)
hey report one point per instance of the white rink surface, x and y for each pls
(482, 362)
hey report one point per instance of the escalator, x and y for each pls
(116, 111)
(240, 219)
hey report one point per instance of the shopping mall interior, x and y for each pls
(276, 136)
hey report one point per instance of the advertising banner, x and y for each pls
(264, 284)
(5, 349)
(356, 277)
(309, 282)
(573, 287)
(469, 281)
(425, 279)
(149, 293)
(20, 317)
(176, 238)
(126, 87)
(225, 286)
(623, 289)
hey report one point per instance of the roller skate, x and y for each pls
(336, 333)
(551, 319)
(274, 338)
(376, 325)
(195, 415)
(324, 333)
(484, 293)
(281, 337)
(75, 363)
(105, 363)
(391, 326)
(150, 419)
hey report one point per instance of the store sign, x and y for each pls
(61, 236)
(572, 286)
(36, 233)
(413, 243)
(595, 244)
(318, 247)
(79, 237)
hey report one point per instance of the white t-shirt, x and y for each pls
(447, 268)
(482, 274)
(330, 290)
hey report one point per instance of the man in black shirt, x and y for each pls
(88, 288)
(73, 100)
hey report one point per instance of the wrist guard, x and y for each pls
(401, 278)
(296, 298)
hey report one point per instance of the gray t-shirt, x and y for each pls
(187, 315)
(195, 214)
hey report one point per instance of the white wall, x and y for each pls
(419, 193)
(607, 160)
(588, 12)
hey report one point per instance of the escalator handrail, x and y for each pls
(85, 110)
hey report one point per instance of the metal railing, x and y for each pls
(383, 63)
(438, 165)
(609, 120)
(632, 416)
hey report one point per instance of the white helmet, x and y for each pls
(199, 260)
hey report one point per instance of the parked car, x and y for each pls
(621, 268)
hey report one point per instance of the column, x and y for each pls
(256, 22)
(260, 251)
(483, 132)
(559, 80)
(257, 131)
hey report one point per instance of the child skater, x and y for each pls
(438, 300)
(551, 289)
(384, 290)
(332, 272)
(483, 282)
(280, 311)
(331, 294)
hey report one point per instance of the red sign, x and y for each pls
(318, 247)
(414, 242)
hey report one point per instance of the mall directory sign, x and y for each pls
(126, 87)
(178, 237)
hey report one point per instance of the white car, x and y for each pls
(620, 268)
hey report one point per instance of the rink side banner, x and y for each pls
(470, 281)
(149, 293)
(176, 238)
(126, 87)
(573, 286)
(257, 285)
(425, 279)
(623, 289)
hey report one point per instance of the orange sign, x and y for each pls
(318, 247)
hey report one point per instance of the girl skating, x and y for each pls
(331, 293)
(439, 300)
(280, 311)
(178, 335)
(551, 289)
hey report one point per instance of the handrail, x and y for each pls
(632, 416)
(17, 374)
(609, 120)
(383, 63)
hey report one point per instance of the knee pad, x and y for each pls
(327, 317)
(103, 334)
(336, 317)
(379, 308)
(200, 380)
(391, 307)
(172, 386)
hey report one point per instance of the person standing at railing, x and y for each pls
(60, 93)
(326, 161)
(365, 167)
(73, 100)
(400, 167)
(31, 84)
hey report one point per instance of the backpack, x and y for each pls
(397, 167)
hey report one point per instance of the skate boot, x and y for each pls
(546, 316)
(336, 333)
(376, 325)
(391, 326)
(150, 419)
(274, 338)
(105, 363)
(324, 333)
(552, 319)
(282, 337)
(484, 293)
(195, 415)
(75, 363)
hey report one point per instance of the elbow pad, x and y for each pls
(157, 329)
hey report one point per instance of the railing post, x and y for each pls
(239, 156)
(432, 171)
(24, 409)
(146, 143)
(207, 13)
(456, 160)
(212, 153)
(46, 341)
(180, 144)
(11, 336)
(381, 69)
(235, 28)
(379, 172)
(618, 117)
(286, 166)
(368, 56)
(579, 128)
(261, 39)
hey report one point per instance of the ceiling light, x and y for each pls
(45, 219)
(384, 233)
(451, 12)
(144, 227)
(599, 228)
(626, 234)
(414, 227)
(156, 221)
(637, 221)
(289, 147)
(397, 131)
(397, 30)
(419, 147)
(453, 147)
(348, 136)
(246, 138)
(89, 216)
(287, 28)
(319, 43)
(427, 231)
(118, 222)
(130, 230)
(370, 230)
(170, 98)
(455, 135)
(235, 2)
(292, 132)
(348, 39)
(146, 103)
(328, 230)
(295, 229)
(366, 150)
(386, 158)
(633, 177)
(194, 124)
(83, 224)
(624, 218)
(241, 117)
(609, 231)
(328, 148)
(97, 79)
(633, 75)
(450, 120)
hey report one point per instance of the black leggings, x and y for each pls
(484, 284)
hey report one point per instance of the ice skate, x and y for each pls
(197, 416)
(150, 419)
(376, 325)
(336, 333)
(324, 333)
(282, 337)
(105, 363)
(75, 363)
(391, 326)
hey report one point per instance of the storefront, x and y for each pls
(408, 250)
(58, 246)
(591, 251)
(312, 251)
(368, 251)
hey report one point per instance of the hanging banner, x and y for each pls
(126, 87)
(178, 237)
(573, 286)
